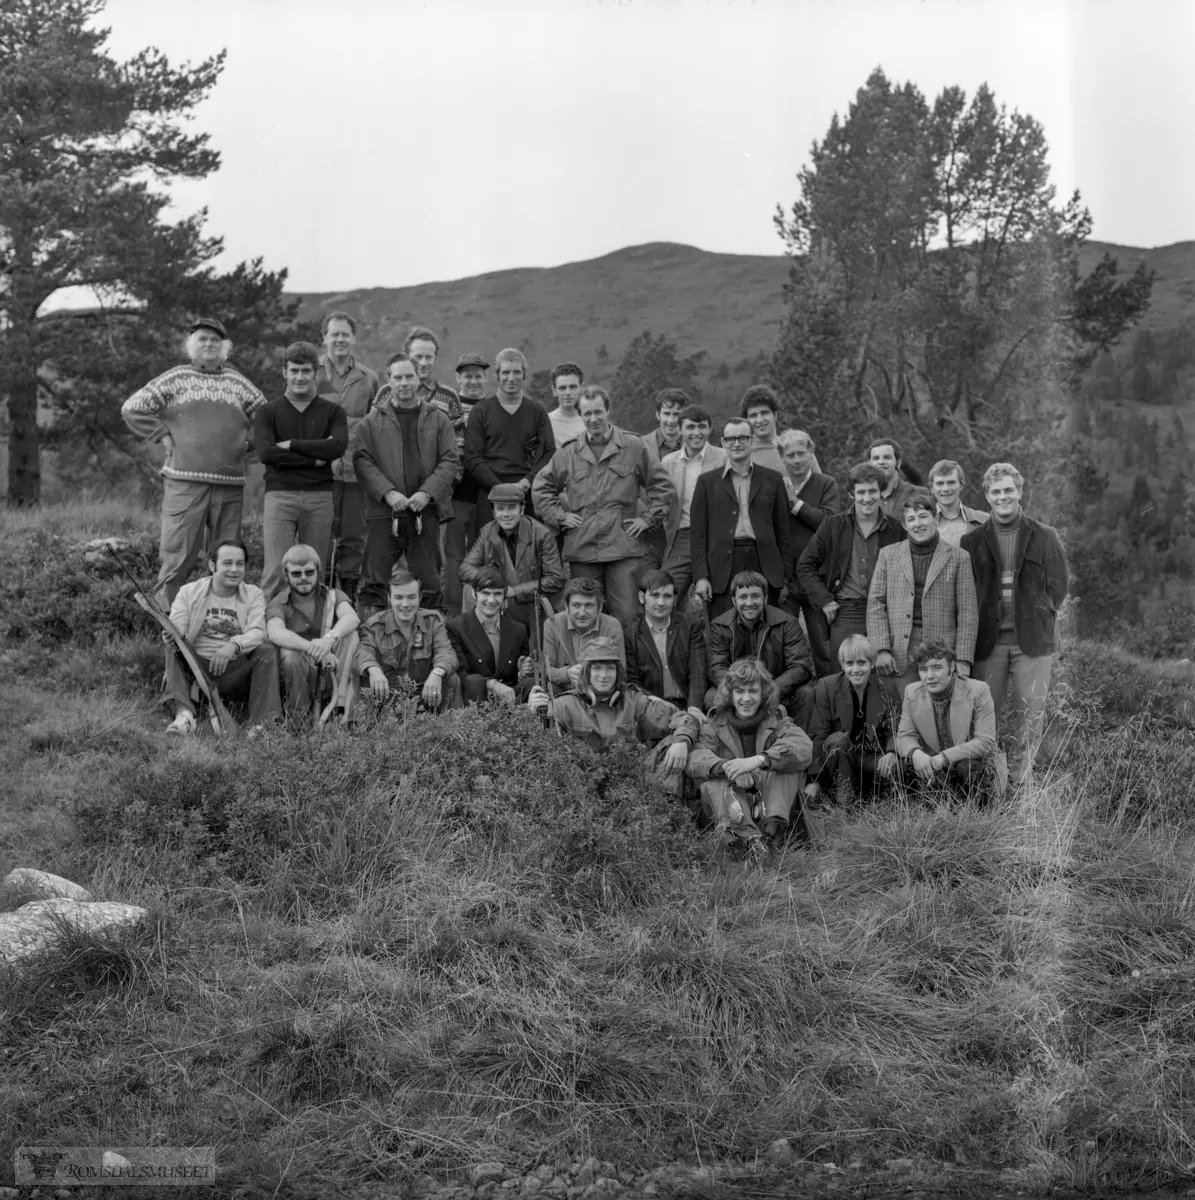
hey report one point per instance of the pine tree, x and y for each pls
(84, 143)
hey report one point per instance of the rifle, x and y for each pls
(221, 719)
(543, 678)
(341, 678)
(333, 556)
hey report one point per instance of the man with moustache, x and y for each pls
(457, 535)
(592, 489)
(685, 466)
(567, 379)
(836, 568)
(1021, 579)
(354, 385)
(404, 453)
(946, 480)
(508, 438)
(739, 522)
(298, 437)
(522, 550)
(315, 630)
(812, 497)
(490, 646)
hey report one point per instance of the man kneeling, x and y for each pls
(224, 619)
(947, 731)
(751, 760)
(405, 641)
(315, 630)
(853, 725)
(604, 711)
(490, 647)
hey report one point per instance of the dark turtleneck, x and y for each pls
(941, 703)
(923, 553)
(747, 729)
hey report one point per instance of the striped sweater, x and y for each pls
(208, 414)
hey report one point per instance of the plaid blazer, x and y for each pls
(949, 610)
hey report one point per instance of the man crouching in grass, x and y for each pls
(315, 630)
(947, 734)
(224, 619)
(405, 641)
(751, 759)
(604, 711)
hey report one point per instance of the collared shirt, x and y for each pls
(742, 489)
(492, 630)
(951, 529)
(692, 465)
(794, 486)
(660, 636)
(864, 553)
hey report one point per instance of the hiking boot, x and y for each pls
(183, 723)
(773, 827)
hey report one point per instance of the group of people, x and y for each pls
(721, 605)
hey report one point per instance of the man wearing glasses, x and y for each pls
(739, 522)
(315, 630)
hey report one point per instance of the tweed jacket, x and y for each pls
(715, 513)
(536, 557)
(834, 712)
(475, 652)
(949, 612)
(376, 450)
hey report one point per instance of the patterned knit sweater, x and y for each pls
(208, 414)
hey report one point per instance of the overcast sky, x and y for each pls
(393, 142)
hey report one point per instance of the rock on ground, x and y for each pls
(41, 885)
(34, 928)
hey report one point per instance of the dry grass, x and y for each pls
(379, 955)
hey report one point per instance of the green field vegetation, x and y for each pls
(381, 956)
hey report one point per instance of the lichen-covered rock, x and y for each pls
(34, 927)
(41, 885)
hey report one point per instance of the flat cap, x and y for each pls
(601, 650)
(471, 360)
(208, 323)
(507, 493)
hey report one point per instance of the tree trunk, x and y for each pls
(24, 456)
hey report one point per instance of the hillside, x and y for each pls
(729, 305)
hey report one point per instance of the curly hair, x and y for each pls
(746, 670)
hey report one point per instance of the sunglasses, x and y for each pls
(303, 573)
